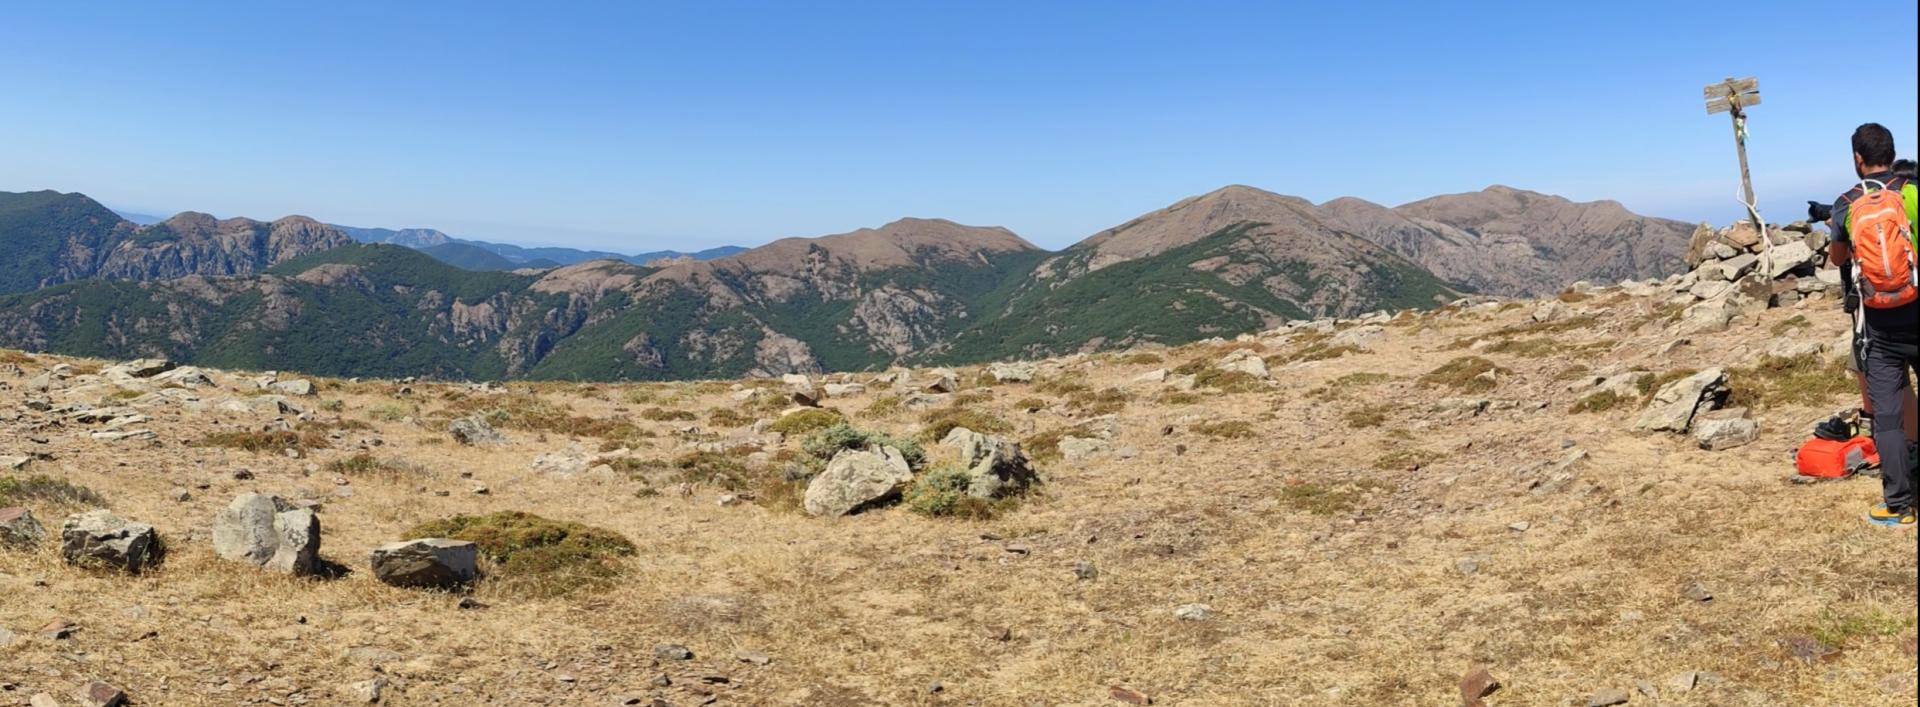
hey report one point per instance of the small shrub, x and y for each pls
(1179, 397)
(886, 406)
(1065, 384)
(668, 415)
(1140, 358)
(389, 412)
(266, 441)
(824, 444)
(1325, 499)
(534, 555)
(18, 490)
(806, 421)
(1598, 402)
(1030, 405)
(1369, 416)
(1103, 402)
(1799, 380)
(1526, 348)
(715, 468)
(1838, 628)
(942, 492)
(940, 422)
(1356, 380)
(364, 465)
(1229, 429)
(1044, 447)
(1406, 459)
(729, 417)
(1463, 374)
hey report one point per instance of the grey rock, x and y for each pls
(1084, 570)
(438, 563)
(367, 691)
(1713, 315)
(140, 368)
(1078, 448)
(475, 432)
(996, 467)
(294, 386)
(672, 651)
(100, 694)
(101, 539)
(1193, 612)
(1735, 267)
(842, 390)
(269, 532)
(1017, 372)
(19, 528)
(1787, 257)
(857, 479)
(1725, 429)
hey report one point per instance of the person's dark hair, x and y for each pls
(1904, 168)
(1874, 143)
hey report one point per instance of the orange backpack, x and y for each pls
(1833, 459)
(1883, 254)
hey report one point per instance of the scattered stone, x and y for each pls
(672, 651)
(1129, 696)
(474, 432)
(1476, 685)
(180, 495)
(1078, 448)
(1153, 377)
(1193, 612)
(841, 390)
(1085, 571)
(14, 463)
(269, 532)
(1725, 429)
(566, 462)
(1245, 362)
(1608, 698)
(59, 630)
(100, 539)
(367, 691)
(1519, 526)
(1467, 566)
(1699, 592)
(139, 368)
(857, 479)
(100, 694)
(19, 528)
(438, 563)
(1683, 681)
(754, 657)
(41, 699)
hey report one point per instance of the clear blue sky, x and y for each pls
(636, 126)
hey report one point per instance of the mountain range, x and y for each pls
(442, 246)
(306, 297)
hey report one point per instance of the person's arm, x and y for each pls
(1840, 254)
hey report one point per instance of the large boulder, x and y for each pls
(269, 532)
(474, 432)
(18, 528)
(801, 391)
(434, 563)
(1784, 258)
(1245, 362)
(995, 466)
(292, 386)
(101, 539)
(1675, 406)
(857, 479)
(139, 368)
(1706, 317)
(1703, 238)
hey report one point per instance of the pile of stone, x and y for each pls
(860, 479)
(1735, 273)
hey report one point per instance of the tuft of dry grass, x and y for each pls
(941, 421)
(1464, 374)
(536, 556)
(38, 488)
(1807, 380)
(1225, 429)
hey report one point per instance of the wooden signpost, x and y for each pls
(1734, 96)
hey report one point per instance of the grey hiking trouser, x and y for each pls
(1887, 367)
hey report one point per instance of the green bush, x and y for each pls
(832, 440)
(942, 492)
(806, 421)
(940, 422)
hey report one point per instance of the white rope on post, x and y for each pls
(1766, 238)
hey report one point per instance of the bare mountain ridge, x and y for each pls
(1500, 240)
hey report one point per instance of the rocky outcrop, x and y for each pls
(104, 540)
(19, 528)
(269, 532)
(995, 467)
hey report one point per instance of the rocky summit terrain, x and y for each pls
(298, 295)
(1583, 499)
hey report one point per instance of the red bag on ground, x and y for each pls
(1833, 459)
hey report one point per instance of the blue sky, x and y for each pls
(636, 126)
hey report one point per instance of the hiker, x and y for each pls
(1910, 419)
(1873, 236)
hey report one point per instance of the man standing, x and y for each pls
(1873, 236)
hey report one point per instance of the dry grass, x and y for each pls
(1807, 380)
(1293, 537)
(1466, 374)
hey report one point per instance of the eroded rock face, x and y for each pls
(1674, 407)
(857, 479)
(101, 539)
(995, 466)
(432, 563)
(269, 532)
(19, 528)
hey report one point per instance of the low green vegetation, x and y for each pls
(1044, 447)
(1406, 459)
(941, 421)
(1800, 380)
(364, 465)
(536, 556)
(808, 421)
(21, 490)
(1598, 402)
(1325, 498)
(1466, 374)
(942, 492)
(1367, 416)
(1225, 429)
(826, 443)
(266, 440)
